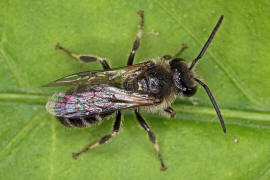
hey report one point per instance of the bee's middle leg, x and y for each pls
(85, 58)
(136, 43)
(152, 137)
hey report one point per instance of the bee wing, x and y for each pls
(113, 76)
(95, 100)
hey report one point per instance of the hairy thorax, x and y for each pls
(156, 81)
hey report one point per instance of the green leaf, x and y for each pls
(33, 145)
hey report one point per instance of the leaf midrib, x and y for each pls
(241, 114)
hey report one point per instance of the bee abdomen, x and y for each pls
(79, 122)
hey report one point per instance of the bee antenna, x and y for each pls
(207, 43)
(214, 103)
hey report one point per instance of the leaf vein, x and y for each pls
(53, 138)
(23, 97)
(22, 131)
(230, 73)
(9, 61)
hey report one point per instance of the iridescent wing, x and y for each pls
(96, 100)
(114, 76)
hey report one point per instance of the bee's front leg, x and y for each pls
(85, 58)
(169, 57)
(170, 111)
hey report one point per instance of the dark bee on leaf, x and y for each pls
(152, 85)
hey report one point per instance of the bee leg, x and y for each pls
(168, 57)
(152, 137)
(136, 43)
(104, 139)
(85, 58)
(170, 111)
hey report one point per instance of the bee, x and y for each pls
(152, 85)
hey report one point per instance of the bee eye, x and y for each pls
(189, 91)
(183, 78)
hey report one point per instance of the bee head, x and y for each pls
(183, 78)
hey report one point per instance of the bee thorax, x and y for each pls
(156, 81)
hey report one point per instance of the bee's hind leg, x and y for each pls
(136, 43)
(152, 137)
(85, 58)
(104, 139)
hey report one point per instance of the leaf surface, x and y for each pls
(33, 145)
